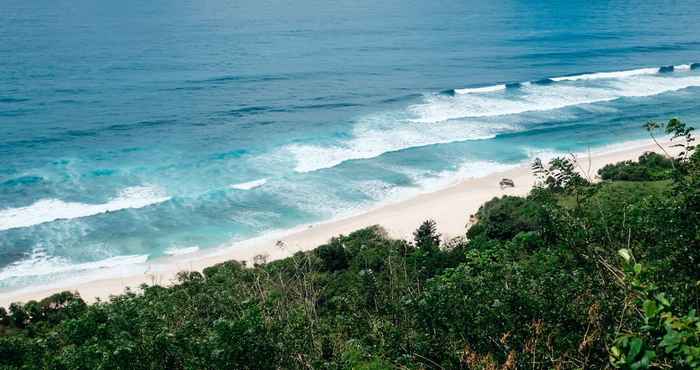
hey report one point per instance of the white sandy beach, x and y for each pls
(449, 207)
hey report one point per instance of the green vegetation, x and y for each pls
(651, 166)
(574, 276)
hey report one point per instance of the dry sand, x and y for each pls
(449, 207)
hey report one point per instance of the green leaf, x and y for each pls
(635, 348)
(650, 308)
(671, 341)
(662, 298)
(645, 362)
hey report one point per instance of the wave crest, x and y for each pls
(444, 118)
(39, 263)
(48, 210)
(372, 138)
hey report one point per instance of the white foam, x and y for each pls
(254, 218)
(383, 133)
(545, 155)
(40, 263)
(468, 170)
(249, 185)
(381, 193)
(604, 75)
(179, 251)
(311, 158)
(585, 76)
(304, 196)
(48, 210)
(479, 90)
(441, 119)
(427, 182)
(438, 108)
(532, 98)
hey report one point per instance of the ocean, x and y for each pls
(132, 130)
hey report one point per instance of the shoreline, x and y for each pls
(449, 206)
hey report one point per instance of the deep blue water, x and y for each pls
(131, 129)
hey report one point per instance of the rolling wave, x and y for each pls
(380, 134)
(585, 76)
(444, 118)
(48, 210)
(40, 263)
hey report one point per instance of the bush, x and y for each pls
(650, 167)
(503, 218)
(333, 256)
(664, 339)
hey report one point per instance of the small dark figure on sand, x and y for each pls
(506, 183)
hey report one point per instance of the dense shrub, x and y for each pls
(333, 256)
(503, 218)
(650, 166)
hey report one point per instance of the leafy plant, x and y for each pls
(650, 167)
(559, 174)
(663, 339)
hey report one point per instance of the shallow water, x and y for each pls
(133, 130)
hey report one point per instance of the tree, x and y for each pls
(333, 255)
(559, 175)
(426, 237)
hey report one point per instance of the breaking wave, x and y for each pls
(40, 263)
(47, 210)
(467, 114)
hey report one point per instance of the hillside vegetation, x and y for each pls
(577, 275)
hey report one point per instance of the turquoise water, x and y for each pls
(132, 130)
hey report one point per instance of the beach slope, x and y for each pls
(449, 207)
